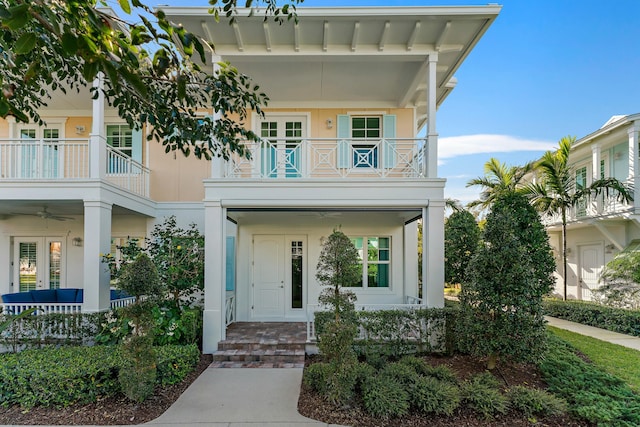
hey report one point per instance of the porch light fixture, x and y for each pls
(76, 241)
(609, 248)
(329, 123)
(80, 130)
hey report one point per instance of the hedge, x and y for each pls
(67, 375)
(614, 319)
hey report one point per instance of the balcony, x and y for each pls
(68, 160)
(329, 158)
(599, 207)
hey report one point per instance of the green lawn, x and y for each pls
(619, 361)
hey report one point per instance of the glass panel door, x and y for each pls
(296, 274)
(581, 182)
(55, 264)
(281, 152)
(27, 266)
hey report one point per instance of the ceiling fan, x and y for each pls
(45, 214)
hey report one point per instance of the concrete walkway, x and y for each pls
(601, 334)
(240, 397)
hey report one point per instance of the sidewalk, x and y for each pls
(240, 397)
(601, 334)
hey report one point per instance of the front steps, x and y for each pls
(262, 345)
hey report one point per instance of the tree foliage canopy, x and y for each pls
(461, 238)
(510, 273)
(152, 69)
(498, 179)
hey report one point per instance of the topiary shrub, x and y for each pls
(383, 397)
(430, 395)
(400, 372)
(531, 401)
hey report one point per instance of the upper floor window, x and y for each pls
(121, 137)
(365, 155)
(366, 141)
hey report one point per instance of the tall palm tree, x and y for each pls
(557, 190)
(498, 179)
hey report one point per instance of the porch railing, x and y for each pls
(230, 308)
(67, 160)
(313, 308)
(602, 205)
(331, 158)
(59, 308)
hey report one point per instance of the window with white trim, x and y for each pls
(121, 137)
(375, 258)
(365, 155)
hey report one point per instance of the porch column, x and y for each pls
(11, 120)
(595, 172)
(410, 260)
(217, 162)
(97, 140)
(433, 254)
(432, 136)
(5, 265)
(634, 173)
(97, 241)
(214, 328)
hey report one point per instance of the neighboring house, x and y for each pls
(599, 228)
(351, 89)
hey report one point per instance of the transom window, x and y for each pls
(121, 137)
(376, 263)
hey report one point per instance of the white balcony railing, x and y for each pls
(230, 308)
(59, 307)
(66, 160)
(603, 205)
(331, 158)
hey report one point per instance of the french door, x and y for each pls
(38, 263)
(41, 152)
(281, 152)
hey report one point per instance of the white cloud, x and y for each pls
(454, 146)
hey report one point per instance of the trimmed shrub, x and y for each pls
(430, 395)
(484, 398)
(66, 375)
(342, 383)
(317, 376)
(385, 398)
(400, 372)
(531, 401)
(588, 313)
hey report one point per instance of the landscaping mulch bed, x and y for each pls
(316, 407)
(116, 410)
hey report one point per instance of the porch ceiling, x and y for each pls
(9, 208)
(360, 57)
(319, 216)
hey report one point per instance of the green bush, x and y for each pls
(317, 376)
(591, 393)
(430, 395)
(66, 375)
(137, 374)
(400, 372)
(342, 383)
(614, 319)
(531, 401)
(484, 398)
(385, 398)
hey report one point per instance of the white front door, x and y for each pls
(37, 263)
(279, 277)
(591, 261)
(268, 276)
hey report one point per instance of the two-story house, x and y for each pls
(349, 140)
(599, 228)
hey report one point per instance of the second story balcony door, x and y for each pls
(40, 155)
(281, 152)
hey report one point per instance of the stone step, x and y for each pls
(229, 364)
(263, 345)
(260, 355)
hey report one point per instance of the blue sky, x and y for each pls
(545, 69)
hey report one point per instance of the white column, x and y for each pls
(433, 254)
(432, 135)
(595, 172)
(97, 140)
(411, 259)
(214, 327)
(634, 173)
(97, 242)
(12, 127)
(217, 163)
(5, 265)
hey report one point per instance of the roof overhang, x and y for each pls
(372, 57)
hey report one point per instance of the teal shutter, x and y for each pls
(231, 263)
(389, 135)
(343, 129)
(136, 145)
